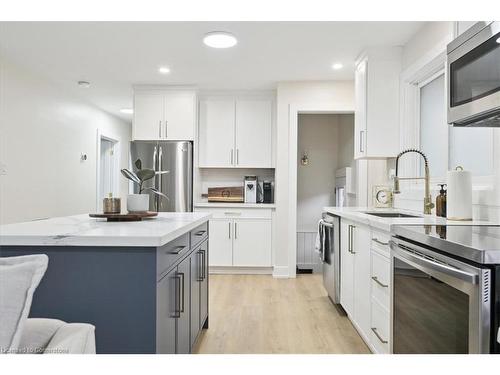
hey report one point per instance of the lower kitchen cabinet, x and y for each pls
(199, 290)
(221, 241)
(183, 308)
(252, 243)
(166, 337)
(355, 274)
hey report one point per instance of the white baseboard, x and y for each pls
(240, 270)
(281, 272)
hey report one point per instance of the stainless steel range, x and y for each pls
(445, 289)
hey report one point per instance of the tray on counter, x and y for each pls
(131, 216)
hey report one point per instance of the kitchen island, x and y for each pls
(143, 285)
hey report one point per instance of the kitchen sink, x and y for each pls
(391, 214)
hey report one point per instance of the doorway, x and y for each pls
(108, 170)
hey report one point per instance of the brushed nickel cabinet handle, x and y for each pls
(380, 242)
(237, 156)
(231, 152)
(159, 130)
(235, 230)
(375, 278)
(229, 233)
(378, 336)
(166, 131)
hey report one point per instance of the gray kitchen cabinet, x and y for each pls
(166, 314)
(184, 308)
(204, 286)
(196, 274)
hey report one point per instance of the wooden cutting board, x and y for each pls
(232, 194)
(131, 216)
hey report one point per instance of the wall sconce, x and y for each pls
(304, 160)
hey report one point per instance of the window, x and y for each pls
(445, 146)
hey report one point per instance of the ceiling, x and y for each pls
(113, 56)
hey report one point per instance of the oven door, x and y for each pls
(439, 305)
(474, 78)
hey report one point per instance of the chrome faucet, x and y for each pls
(428, 205)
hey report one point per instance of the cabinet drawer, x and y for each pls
(168, 254)
(380, 278)
(380, 241)
(238, 213)
(379, 333)
(198, 234)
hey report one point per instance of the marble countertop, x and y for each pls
(81, 230)
(359, 215)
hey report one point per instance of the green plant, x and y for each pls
(142, 175)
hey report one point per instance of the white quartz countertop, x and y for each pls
(81, 230)
(359, 215)
(233, 205)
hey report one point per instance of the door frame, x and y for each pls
(294, 110)
(116, 184)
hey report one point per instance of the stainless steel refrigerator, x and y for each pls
(175, 157)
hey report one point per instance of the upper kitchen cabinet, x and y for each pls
(376, 121)
(235, 133)
(164, 115)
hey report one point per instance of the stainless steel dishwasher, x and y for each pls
(330, 227)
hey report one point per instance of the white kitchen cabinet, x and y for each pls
(240, 237)
(216, 133)
(164, 115)
(355, 274)
(252, 243)
(253, 134)
(221, 242)
(235, 133)
(376, 120)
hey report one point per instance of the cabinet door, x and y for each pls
(180, 116)
(360, 90)
(165, 314)
(196, 277)
(216, 133)
(346, 268)
(252, 243)
(184, 320)
(221, 242)
(204, 284)
(253, 133)
(362, 295)
(148, 116)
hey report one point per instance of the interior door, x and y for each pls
(180, 116)
(216, 133)
(183, 322)
(252, 243)
(253, 133)
(346, 269)
(362, 295)
(148, 116)
(165, 314)
(221, 242)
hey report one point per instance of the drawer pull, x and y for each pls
(200, 233)
(380, 242)
(177, 250)
(232, 213)
(378, 336)
(375, 278)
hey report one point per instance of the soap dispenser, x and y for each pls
(441, 201)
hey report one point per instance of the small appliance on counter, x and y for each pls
(267, 192)
(250, 188)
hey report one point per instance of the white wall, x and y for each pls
(43, 131)
(337, 95)
(318, 136)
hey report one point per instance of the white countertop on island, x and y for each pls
(359, 215)
(81, 230)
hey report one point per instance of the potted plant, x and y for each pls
(140, 202)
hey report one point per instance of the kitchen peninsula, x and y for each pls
(143, 285)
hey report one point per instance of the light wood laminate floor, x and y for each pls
(260, 314)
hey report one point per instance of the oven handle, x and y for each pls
(326, 224)
(428, 263)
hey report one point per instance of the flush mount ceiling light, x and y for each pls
(498, 40)
(220, 39)
(127, 111)
(337, 66)
(84, 84)
(164, 70)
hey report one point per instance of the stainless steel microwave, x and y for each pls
(473, 63)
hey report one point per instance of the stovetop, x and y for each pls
(480, 244)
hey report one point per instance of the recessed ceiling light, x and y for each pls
(84, 84)
(128, 111)
(337, 66)
(164, 69)
(498, 40)
(220, 39)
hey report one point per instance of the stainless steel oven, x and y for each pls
(439, 304)
(473, 67)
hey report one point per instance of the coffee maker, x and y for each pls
(250, 189)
